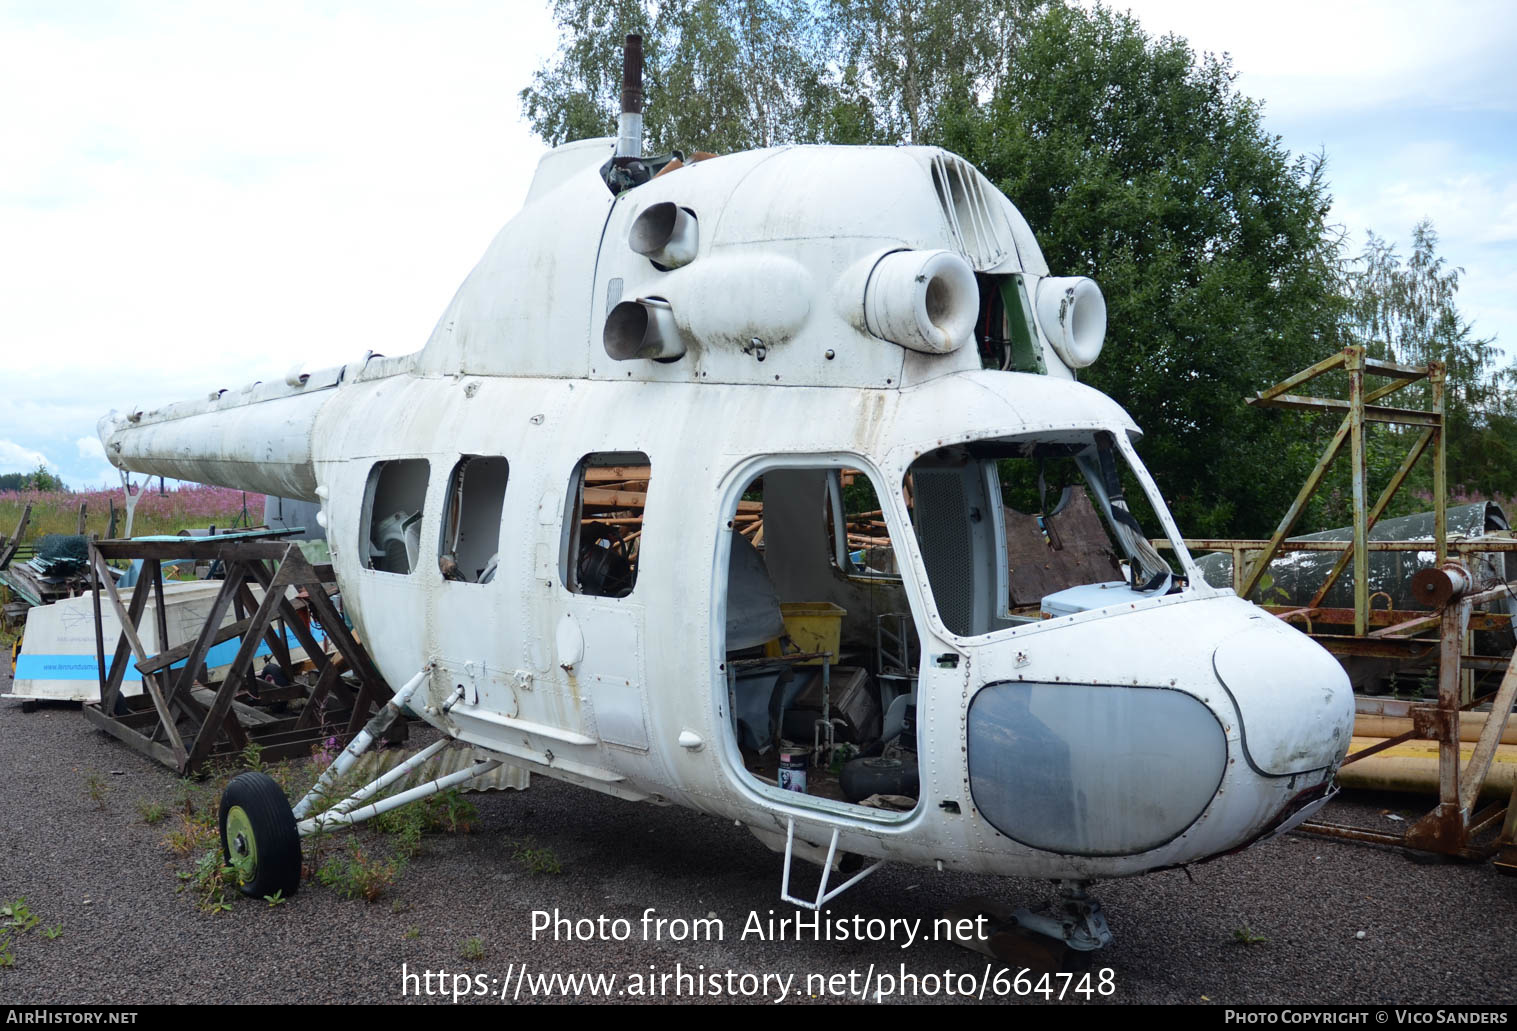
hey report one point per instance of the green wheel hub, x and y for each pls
(259, 836)
(242, 844)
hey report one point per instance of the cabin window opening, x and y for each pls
(1020, 529)
(393, 503)
(821, 650)
(468, 548)
(863, 550)
(603, 529)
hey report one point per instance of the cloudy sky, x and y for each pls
(197, 195)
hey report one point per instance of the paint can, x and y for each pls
(794, 762)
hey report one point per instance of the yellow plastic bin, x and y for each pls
(812, 626)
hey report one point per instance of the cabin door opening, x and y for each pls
(599, 635)
(821, 649)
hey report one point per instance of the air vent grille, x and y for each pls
(975, 214)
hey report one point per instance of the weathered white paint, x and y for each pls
(780, 366)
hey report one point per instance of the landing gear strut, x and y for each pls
(1064, 936)
(1079, 922)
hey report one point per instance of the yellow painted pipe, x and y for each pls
(1470, 726)
(1412, 767)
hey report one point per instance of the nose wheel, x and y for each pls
(259, 838)
(1060, 937)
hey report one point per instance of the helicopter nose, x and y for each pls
(1295, 704)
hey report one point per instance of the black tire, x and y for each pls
(864, 777)
(29, 706)
(270, 861)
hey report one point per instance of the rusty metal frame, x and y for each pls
(1359, 410)
(1407, 636)
(174, 721)
(1454, 824)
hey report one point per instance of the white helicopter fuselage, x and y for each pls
(1163, 728)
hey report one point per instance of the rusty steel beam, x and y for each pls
(1256, 571)
(1306, 375)
(1485, 748)
(1464, 546)
(1372, 413)
(1392, 618)
(1397, 479)
(1437, 374)
(1360, 474)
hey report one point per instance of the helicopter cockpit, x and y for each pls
(824, 648)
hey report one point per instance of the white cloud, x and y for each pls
(205, 183)
(203, 195)
(1305, 57)
(17, 459)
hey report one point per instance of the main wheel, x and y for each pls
(259, 836)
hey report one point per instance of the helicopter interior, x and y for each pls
(393, 501)
(823, 650)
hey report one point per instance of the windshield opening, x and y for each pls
(1017, 529)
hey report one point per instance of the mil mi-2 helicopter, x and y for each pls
(578, 526)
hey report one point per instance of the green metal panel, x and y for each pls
(1026, 347)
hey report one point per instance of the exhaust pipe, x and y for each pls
(665, 233)
(643, 328)
(629, 138)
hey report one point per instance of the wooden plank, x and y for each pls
(130, 737)
(318, 695)
(305, 737)
(337, 632)
(15, 541)
(117, 669)
(294, 576)
(163, 660)
(210, 728)
(195, 657)
(222, 714)
(616, 473)
(600, 497)
(154, 569)
(99, 628)
(199, 548)
(129, 631)
(367, 699)
(271, 635)
(251, 716)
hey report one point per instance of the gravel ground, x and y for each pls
(1433, 932)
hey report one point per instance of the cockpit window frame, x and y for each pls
(1195, 584)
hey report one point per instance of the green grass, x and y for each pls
(536, 860)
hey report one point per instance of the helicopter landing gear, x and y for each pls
(1079, 920)
(1061, 936)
